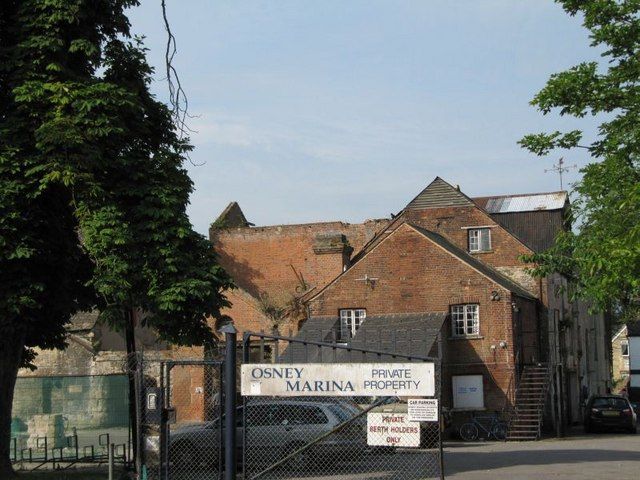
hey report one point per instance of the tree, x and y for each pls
(93, 190)
(602, 257)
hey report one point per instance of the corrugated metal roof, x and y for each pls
(526, 203)
(439, 194)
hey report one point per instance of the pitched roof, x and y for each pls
(492, 274)
(486, 270)
(439, 194)
(526, 202)
(622, 330)
(407, 333)
(231, 216)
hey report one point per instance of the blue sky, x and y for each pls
(344, 110)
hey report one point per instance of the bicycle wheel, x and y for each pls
(468, 432)
(499, 431)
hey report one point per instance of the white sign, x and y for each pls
(392, 430)
(423, 409)
(468, 391)
(338, 379)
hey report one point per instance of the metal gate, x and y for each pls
(296, 437)
(181, 411)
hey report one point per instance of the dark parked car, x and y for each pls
(610, 412)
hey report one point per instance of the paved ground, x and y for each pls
(583, 457)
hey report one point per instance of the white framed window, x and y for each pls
(479, 239)
(468, 392)
(350, 321)
(465, 320)
(624, 349)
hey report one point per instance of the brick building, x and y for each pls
(446, 263)
(443, 277)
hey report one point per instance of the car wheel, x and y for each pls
(469, 432)
(633, 430)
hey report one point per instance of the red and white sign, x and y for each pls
(392, 430)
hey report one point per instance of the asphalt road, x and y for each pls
(583, 457)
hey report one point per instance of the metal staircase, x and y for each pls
(526, 417)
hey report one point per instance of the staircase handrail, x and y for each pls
(509, 406)
(550, 368)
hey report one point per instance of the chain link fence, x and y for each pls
(334, 437)
(180, 412)
(62, 420)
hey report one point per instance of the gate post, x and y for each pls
(230, 390)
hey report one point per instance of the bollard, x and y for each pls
(230, 402)
(111, 447)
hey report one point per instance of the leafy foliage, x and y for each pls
(78, 119)
(603, 256)
(93, 190)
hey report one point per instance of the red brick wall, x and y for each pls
(259, 259)
(449, 223)
(506, 251)
(187, 393)
(415, 275)
(245, 312)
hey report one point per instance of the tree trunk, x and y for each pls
(11, 349)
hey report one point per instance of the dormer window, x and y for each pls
(350, 321)
(479, 239)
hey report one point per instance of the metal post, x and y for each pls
(246, 340)
(111, 447)
(138, 382)
(230, 402)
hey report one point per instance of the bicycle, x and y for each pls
(471, 430)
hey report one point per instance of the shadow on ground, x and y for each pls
(461, 460)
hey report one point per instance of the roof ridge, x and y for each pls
(504, 195)
(439, 193)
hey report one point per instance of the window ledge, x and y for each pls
(480, 252)
(468, 337)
